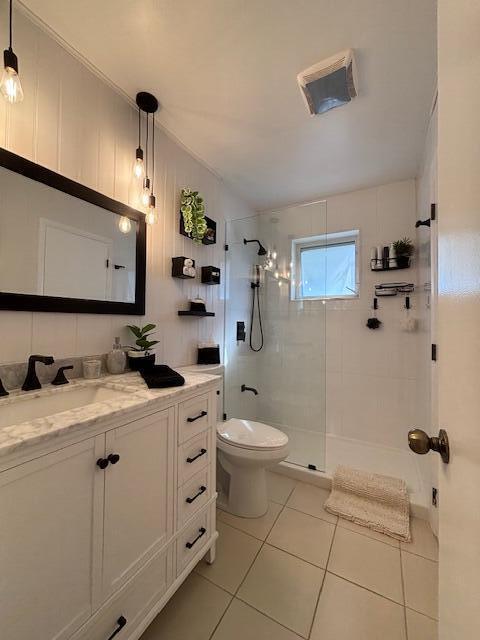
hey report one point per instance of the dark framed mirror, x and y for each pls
(65, 247)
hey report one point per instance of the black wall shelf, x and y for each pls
(177, 268)
(210, 275)
(210, 236)
(197, 314)
(405, 264)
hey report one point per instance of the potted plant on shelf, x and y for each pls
(139, 357)
(403, 251)
(192, 209)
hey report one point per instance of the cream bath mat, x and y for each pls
(378, 502)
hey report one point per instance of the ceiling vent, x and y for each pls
(329, 84)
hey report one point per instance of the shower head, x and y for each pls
(261, 249)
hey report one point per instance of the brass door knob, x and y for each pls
(422, 443)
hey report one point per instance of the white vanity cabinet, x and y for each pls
(51, 510)
(96, 537)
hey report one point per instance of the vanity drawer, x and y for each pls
(133, 602)
(193, 495)
(193, 417)
(193, 539)
(193, 456)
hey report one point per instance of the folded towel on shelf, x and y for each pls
(161, 376)
(371, 500)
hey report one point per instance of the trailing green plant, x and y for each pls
(192, 208)
(403, 247)
(142, 335)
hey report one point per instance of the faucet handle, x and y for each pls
(60, 377)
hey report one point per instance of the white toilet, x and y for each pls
(245, 449)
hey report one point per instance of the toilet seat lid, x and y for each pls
(251, 435)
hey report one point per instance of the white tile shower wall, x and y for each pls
(72, 122)
(372, 377)
(373, 391)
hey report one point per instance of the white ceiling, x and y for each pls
(225, 74)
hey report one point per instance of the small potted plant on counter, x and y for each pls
(139, 357)
(403, 251)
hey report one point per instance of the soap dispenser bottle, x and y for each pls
(116, 359)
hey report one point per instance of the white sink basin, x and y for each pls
(24, 408)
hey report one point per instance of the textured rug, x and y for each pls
(378, 502)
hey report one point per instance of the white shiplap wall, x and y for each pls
(73, 122)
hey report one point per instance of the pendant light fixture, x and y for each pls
(125, 224)
(138, 165)
(10, 85)
(147, 103)
(151, 214)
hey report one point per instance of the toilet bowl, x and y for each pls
(245, 449)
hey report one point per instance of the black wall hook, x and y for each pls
(407, 302)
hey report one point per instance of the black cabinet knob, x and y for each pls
(113, 458)
(102, 463)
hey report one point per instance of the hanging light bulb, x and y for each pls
(124, 224)
(145, 197)
(10, 85)
(151, 216)
(138, 165)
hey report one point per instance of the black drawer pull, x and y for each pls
(202, 414)
(102, 463)
(121, 623)
(201, 532)
(113, 458)
(199, 455)
(197, 495)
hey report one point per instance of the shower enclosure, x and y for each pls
(283, 353)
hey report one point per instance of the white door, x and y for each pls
(459, 315)
(76, 264)
(138, 495)
(50, 542)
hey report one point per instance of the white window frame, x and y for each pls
(320, 241)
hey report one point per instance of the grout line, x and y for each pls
(403, 592)
(365, 535)
(270, 617)
(222, 617)
(323, 581)
(418, 555)
(421, 613)
(380, 595)
(319, 517)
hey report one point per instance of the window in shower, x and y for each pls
(325, 266)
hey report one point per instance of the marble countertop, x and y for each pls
(15, 438)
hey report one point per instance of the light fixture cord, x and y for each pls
(153, 152)
(146, 151)
(11, 17)
(139, 129)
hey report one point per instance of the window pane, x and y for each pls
(328, 270)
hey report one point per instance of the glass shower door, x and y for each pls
(289, 371)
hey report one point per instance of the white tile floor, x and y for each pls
(299, 572)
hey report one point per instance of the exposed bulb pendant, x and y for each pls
(151, 216)
(148, 104)
(145, 198)
(138, 165)
(10, 85)
(125, 224)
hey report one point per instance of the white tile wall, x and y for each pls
(322, 368)
(73, 123)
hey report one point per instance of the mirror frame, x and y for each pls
(33, 302)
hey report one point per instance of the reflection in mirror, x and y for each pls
(54, 244)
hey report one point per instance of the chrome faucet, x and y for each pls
(31, 381)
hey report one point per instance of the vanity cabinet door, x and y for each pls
(138, 495)
(51, 512)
